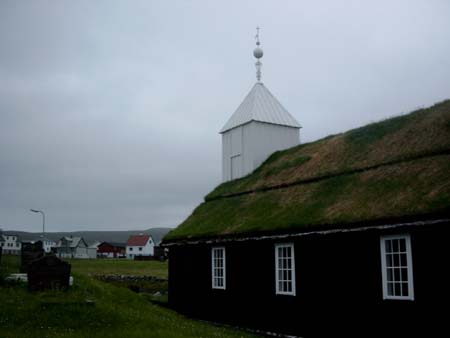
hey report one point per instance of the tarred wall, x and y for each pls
(339, 285)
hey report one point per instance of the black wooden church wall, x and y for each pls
(338, 284)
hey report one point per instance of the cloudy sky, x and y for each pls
(110, 110)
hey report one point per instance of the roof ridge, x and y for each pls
(440, 152)
(252, 103)
(262, 106)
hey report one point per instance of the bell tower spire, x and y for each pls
(258, 53)
(259, 126)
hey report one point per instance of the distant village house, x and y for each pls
(111, 250)
(74, 247)
(10, 243)
(140, 245)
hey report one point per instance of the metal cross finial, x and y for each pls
(257, 36)
(258, 53)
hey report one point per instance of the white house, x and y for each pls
(259, 127)
(11, 244)
(92, 249)
(73, 247)
(2, 241)
(140, 245)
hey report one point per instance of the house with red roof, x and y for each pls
(140, 245)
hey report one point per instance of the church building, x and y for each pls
(344, 236)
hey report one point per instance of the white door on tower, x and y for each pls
(236, 166)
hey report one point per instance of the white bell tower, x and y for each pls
(258, 127)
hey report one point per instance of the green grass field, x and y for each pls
(119, 266)
(92, 308)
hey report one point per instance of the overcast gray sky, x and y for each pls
(110, 110)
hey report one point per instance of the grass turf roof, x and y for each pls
(394, 168)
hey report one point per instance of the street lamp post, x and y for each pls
(43, 218)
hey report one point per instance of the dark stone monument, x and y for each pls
(48, 272)
(30, 252)
(160, 253)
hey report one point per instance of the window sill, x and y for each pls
(399, 298)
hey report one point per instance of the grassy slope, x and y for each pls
(419, 132)
(119, 266)
(117, 312)
(406, 188)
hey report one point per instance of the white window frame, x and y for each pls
(215, 268)
(409, 267)
(277, 268)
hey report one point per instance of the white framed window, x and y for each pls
(396, 267)
(284, 269)
(218, 262)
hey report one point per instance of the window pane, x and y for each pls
(404, 274)
(389, 260)
(389, 275)
(402, 245)
(396, 260)
(405, 290)
(288, 286)
(403, 261)
(388, 245)
(397, 289)
(390, 289)
(395, 245)
(396, 274)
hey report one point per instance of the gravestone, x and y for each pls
(48, 272)
(30, 252)
(160, 253)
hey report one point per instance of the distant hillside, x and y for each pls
(101, 236)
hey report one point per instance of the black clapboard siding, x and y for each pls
(338, 284)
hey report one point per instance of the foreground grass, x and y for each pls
(119, 266)
(92, 308)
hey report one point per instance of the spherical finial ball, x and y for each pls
(258, 53)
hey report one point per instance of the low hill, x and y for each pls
(101, 236)
(395, 168)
